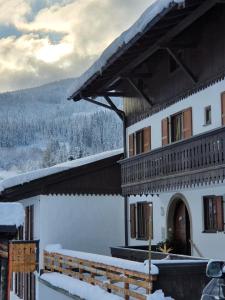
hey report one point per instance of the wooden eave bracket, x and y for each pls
(187, 21)
(186, 70)
(111, 106)
(139, 91)
(119, 112)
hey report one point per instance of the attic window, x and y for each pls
(173, 65)
(208, 114)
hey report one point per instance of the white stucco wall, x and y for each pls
(211, 245)
(83, 223)
(209, 96)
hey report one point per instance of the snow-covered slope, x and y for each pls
(40, 128)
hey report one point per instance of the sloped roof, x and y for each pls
(125, 38)
(67, 178)
(159, 24)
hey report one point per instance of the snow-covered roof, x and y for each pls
(11, 214)
(153, 11)
(30, 176)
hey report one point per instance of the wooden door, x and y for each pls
(182, 229)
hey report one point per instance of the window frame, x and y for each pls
(142, 231)
(137, 139)
(206, 212)
(207, 108)
(139, 143)
(171, 130)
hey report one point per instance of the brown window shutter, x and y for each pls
(131, 145)
(148, 211)
(219, 213)
(133, 221)
(147, 139)
(151, 214)
(146, 220)
(165, 131)
(187, 123)
(223, 108)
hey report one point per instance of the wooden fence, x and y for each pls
(123, 282)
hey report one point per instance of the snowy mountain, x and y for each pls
(39, 127)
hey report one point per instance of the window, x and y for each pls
(213, 213)
(139, 220)
(176, 127)
(208, 115)
(140, 142)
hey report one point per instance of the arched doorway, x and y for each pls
(179, 226)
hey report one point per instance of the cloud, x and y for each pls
(13, 11)
(83, 28)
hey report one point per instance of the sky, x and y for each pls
(47, 40)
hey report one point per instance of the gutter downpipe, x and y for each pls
(125, 197)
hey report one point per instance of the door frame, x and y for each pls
(170, 215)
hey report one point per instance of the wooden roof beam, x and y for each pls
(119, 112)
(206, 6)
(103, 94)
(139, 75)
(139, 91)
(182, 65)
(112, 107)
(187, 21)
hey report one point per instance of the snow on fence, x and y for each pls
(111, 277)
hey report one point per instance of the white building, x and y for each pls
(169, 67)
(76, 204)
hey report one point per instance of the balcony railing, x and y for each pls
(196, 161)
(122, 277)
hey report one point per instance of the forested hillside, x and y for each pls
(39, 128)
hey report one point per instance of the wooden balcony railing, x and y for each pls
(196, 161)
(123, 282)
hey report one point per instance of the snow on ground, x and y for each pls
(87, 291)
(14, 297)
(112, 261)
(79, 288)
(158, 295)
(11, 214)
(155, 9)
(27, 177)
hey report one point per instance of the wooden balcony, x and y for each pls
(197, 161)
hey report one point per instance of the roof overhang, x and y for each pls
(126, 61)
